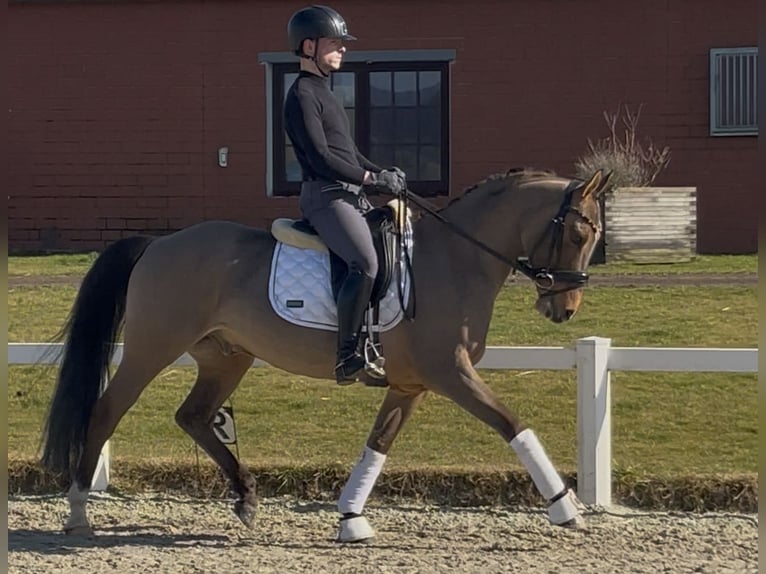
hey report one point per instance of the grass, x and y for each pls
(78, 264)
(663, 424)
(700, 264)
(642, 316)
(65, 264)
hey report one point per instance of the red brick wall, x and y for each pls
(117, 109)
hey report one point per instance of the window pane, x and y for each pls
(343, 88)
(406, 125)
(288, 81)
(292, 167)
(429, 123)
(380, 88)
(430, 163)
(406, 157)
(381, 126)
(405, 89)
(430, 88)
(382, 155)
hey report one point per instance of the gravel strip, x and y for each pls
(166, 534)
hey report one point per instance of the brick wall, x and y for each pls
(117, 110)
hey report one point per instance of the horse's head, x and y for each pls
(559, 257)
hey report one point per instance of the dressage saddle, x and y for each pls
(384, 228)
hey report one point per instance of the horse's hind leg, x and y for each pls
(397, 407)
(220, 371)
(130, 379)
(465, 387)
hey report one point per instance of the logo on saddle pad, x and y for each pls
(300, 289)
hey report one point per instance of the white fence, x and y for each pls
(593, 357)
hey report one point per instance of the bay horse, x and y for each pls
(203, 290)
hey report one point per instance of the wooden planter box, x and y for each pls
(651, 224)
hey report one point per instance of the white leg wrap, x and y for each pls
(356, 491)
(537, 463)
(77, 501)
(567, 507)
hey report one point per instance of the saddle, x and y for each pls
(385, 228)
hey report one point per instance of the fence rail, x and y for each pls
(592, 357)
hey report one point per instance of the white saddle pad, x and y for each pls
(300, 291)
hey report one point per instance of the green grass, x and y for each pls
(700, 264)
(664, 424)
(35, 314)
(78, 264)
(643, 316)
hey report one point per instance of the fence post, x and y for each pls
(594, 422)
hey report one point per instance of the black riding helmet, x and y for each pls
(315, 22)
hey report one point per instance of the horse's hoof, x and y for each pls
(355, 530)
(82, 531)
(566, 511)
(577, 523)
(245, 512)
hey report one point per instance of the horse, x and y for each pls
(203, 290)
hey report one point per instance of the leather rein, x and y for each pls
(545, 278)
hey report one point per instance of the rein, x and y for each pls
(543, 277)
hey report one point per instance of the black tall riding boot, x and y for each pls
(353, 298)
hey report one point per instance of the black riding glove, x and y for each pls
(399, 172)
(387, 182)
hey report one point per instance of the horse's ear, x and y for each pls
(606, 183)
(597, 184)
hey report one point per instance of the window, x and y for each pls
(398, 109)
(733, 91)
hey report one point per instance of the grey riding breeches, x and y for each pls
(336, 212)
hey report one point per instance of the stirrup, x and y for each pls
(373, 360)
(375, 369)
(349, 369)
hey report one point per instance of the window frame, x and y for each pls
(737, 91)
(361, 64)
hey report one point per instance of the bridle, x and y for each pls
(546, 279)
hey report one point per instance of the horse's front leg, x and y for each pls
(465, 387)
(397, 407)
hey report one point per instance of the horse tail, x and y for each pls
(91, 330)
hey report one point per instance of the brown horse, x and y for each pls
(203, 290)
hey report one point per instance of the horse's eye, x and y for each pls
(578, 239)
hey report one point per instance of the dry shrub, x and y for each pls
(691, 494)
(428, 486)
(632, 163)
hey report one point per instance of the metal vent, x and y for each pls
(733, 91)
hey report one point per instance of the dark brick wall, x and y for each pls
(117, 110)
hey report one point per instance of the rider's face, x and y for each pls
(330, 53)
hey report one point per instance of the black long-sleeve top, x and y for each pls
(319, 130)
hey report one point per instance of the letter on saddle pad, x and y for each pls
(300, 283)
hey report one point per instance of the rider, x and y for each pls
(332, 196)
